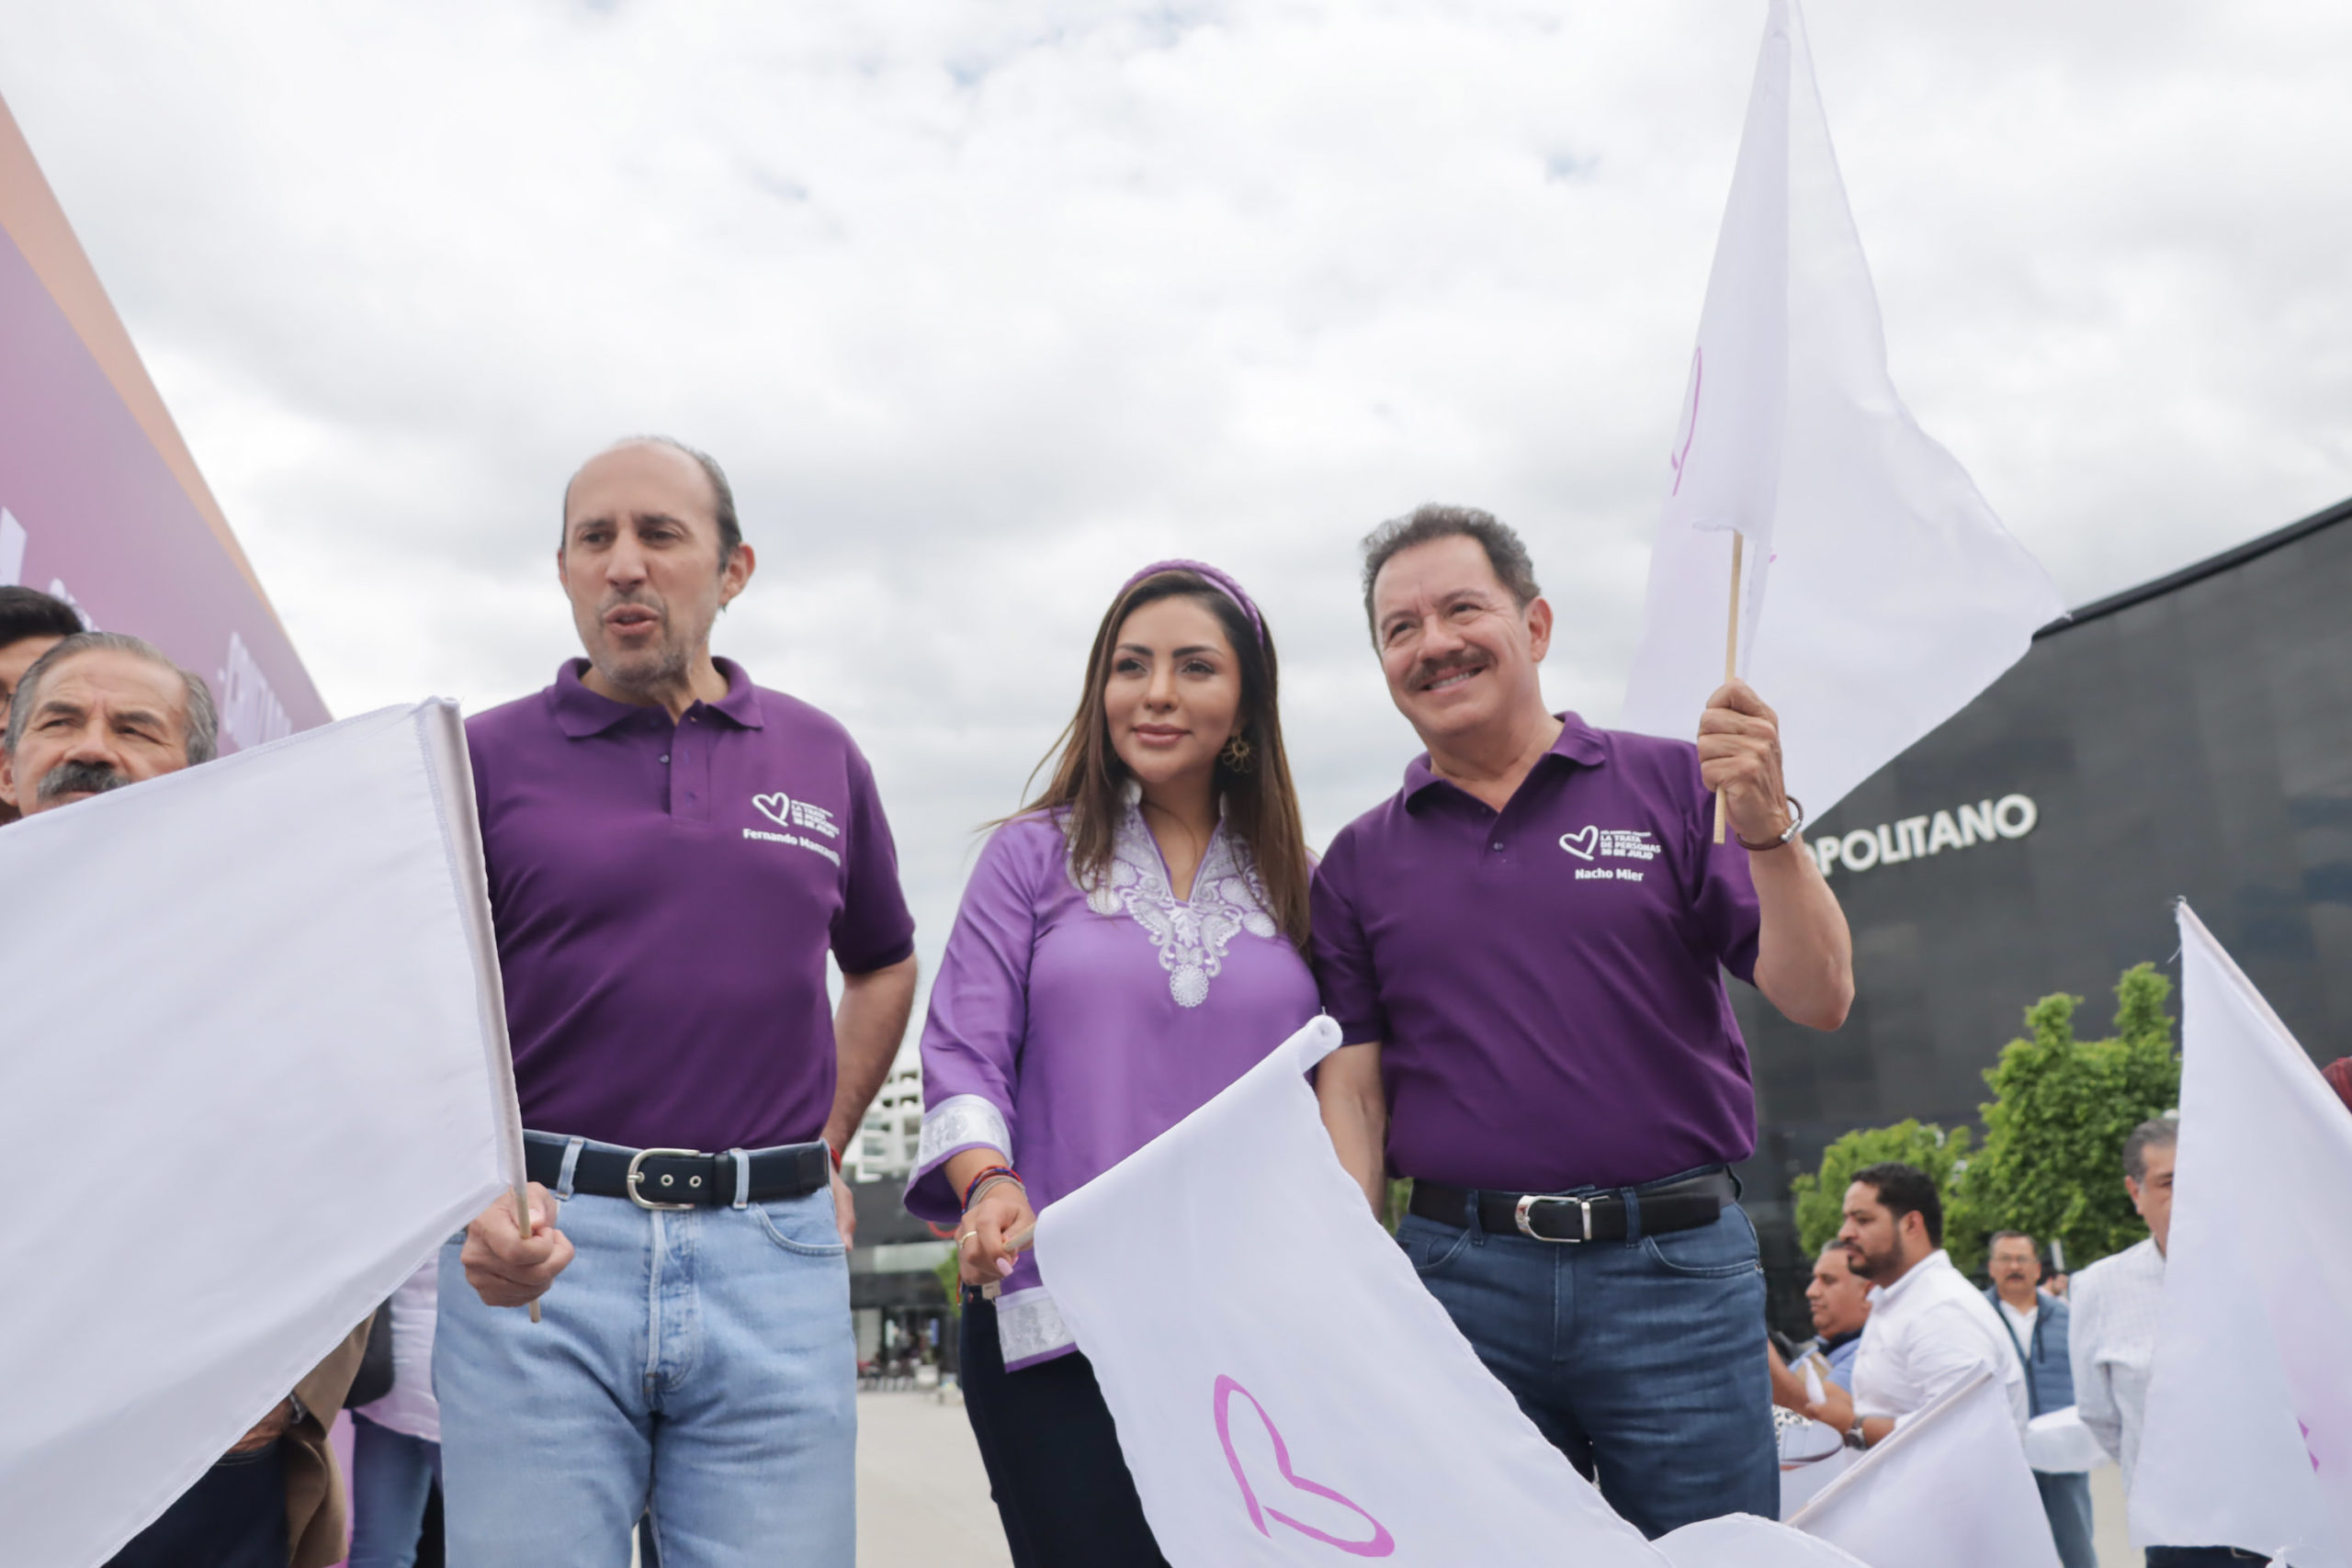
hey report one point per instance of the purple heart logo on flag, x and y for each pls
(1689, 418)
(1382, 1543)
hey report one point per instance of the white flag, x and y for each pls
(1284, 1385)
(1950, 1488)
(2248, 1440)
(254, 1075)
(1895, 594)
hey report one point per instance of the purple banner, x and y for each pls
(92, 511)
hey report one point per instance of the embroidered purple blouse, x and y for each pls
(1071, 1027)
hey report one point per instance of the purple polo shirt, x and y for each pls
(665, 895)
(1543, 979)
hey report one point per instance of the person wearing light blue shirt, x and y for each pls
(1839, 1299)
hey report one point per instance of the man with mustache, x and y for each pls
(96, 712)
(674, 852)
(1521, 948)
(31, 622)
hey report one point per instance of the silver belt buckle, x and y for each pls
(1528, 1200)
(637, 1179)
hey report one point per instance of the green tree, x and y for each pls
(1400, 1193)
(1821, 1197)
(2051, 1164)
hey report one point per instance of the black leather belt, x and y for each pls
(1680, 1205)
(681, 1179)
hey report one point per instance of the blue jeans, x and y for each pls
(698, 1363)
(2066, 1498)
(1643, 1360)
(391, 1476)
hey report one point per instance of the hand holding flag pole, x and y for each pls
(522, 1196)
(1017, 1241)
(1896, 594)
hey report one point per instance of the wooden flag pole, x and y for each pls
(1731, 650)
(523, 1224)
(1017, 1241)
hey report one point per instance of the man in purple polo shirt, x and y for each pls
(672, 853)
(1524, 949)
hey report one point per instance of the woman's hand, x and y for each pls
(984, 1252)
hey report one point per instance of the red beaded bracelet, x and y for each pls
(973, 1186)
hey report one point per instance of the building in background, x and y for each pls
(885, 1147)
(898, 1300)
(2190, 737)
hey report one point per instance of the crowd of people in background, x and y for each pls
(674, 855)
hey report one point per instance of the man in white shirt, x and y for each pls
(1929, 1331)
(2114, 1330)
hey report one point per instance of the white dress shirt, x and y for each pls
(2112, 1343)
(410, 1408)
(2023, 1322)
(1928, 1333)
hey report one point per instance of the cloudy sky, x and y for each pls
(985, 304)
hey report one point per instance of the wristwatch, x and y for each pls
(1854, 1439)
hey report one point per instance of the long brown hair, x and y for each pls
(1088, 780)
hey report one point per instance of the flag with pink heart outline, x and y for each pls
(1285, 1390)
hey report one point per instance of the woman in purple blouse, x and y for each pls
(1128, 946)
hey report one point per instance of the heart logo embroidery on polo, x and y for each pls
(776, 807)
(1382, 1543)
(1581, 843)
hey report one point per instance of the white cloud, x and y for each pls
(985, 305)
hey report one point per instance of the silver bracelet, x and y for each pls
(1796, 825)
(983, 1190)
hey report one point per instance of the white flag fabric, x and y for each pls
(2057, 1443)
(2248, 1440)
(1950, 1488)
(1287, 1392)
(1895, 594)
(255, 1072)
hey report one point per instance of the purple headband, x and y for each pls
(1216, 579)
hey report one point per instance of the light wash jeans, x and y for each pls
(1643, 1360)
(391, 1477)
(696, 1362)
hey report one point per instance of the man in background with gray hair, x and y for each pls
(100, 710)
(2038, 1329)
(96, 712)
(2114, 1329)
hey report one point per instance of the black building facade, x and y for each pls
(2190, 737)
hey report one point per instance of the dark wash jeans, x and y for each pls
(235, 1516)
(1642, 1360)
(1061, 1484)
(2068, 1500)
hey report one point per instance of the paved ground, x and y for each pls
(2109, 1531)
(922, 1498)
